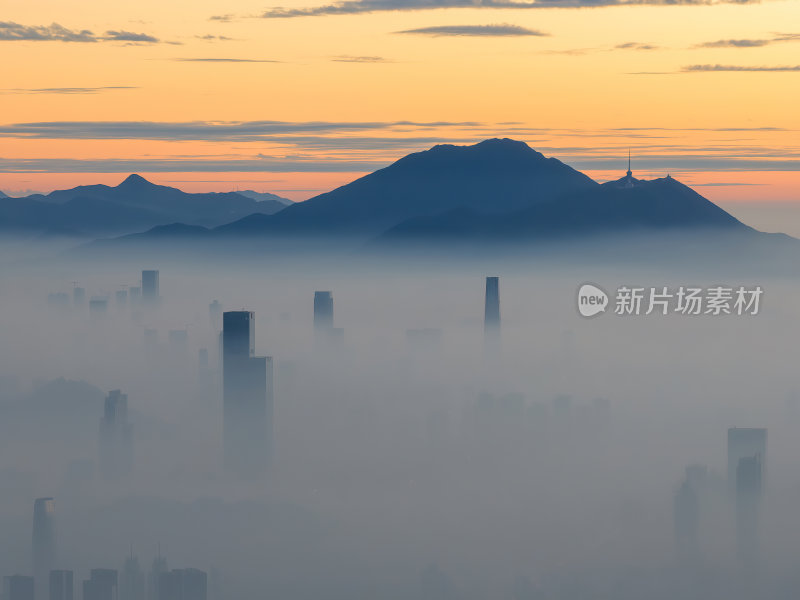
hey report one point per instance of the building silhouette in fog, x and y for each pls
(17, 587)
(44, 543)
(745, 442)
(116, 437)
(247, 397)
(183, 584)
(491, 312)
(158, 567)
(101, 585)
(215, 314)
(98, 306)
(150, 291)
(121, 298)
(748, 494)
(78, 296)
(323, 312)
(131, 580)
(61, 585)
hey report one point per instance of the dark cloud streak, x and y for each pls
(350, 7)
(15, 32)
(500, 30)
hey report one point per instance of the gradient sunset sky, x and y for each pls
(301, 97)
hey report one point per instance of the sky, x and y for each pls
(301, 97)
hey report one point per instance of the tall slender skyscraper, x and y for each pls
(247, 397)
(491, 315)
(61, 585)
(748, 495)
(323, 312)
(154, 577)
(116, 437)
(131, 581)
(150, 292)
(44, 544)
(215, 314)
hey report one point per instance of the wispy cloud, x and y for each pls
(15, 32)
(360, 59)
(224, 60)
(200, 165)
(350, 7)
(214, 38)
(204, 130)
(740, 68)
(735, 44)
(635, 46)
(500, 30)
(751, 43)
(67, 90)
(129, 36)
(222, 18)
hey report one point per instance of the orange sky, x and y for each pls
(299, 105)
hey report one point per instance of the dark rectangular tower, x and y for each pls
(150, 291)
(247, 397)
(61, 585)
(44, 543)
(491, 315)
(323, 311)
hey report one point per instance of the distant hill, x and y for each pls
(133, 205)
(3, 194)
(624, 206)
(495, 192)
(494, 176)
(263, 196)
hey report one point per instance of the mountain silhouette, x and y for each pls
(493, 176)
(626, 205)
(134, 205)
(261, 196)
(497, 191)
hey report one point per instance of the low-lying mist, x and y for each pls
(411, 458)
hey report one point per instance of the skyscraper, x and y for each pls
(150, 292)
(78, 296)
(101, 585)
(215, 314)
(183, 584)
(748, 494)
(323, 313)
(116, 436)
(18, 587)
(247, 397)
(323, 310)
(44, 544)
(131, 581)
(61, 585)
(154, 577)
(491, 315)
(745, 442)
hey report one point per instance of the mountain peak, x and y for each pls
(134, 180)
